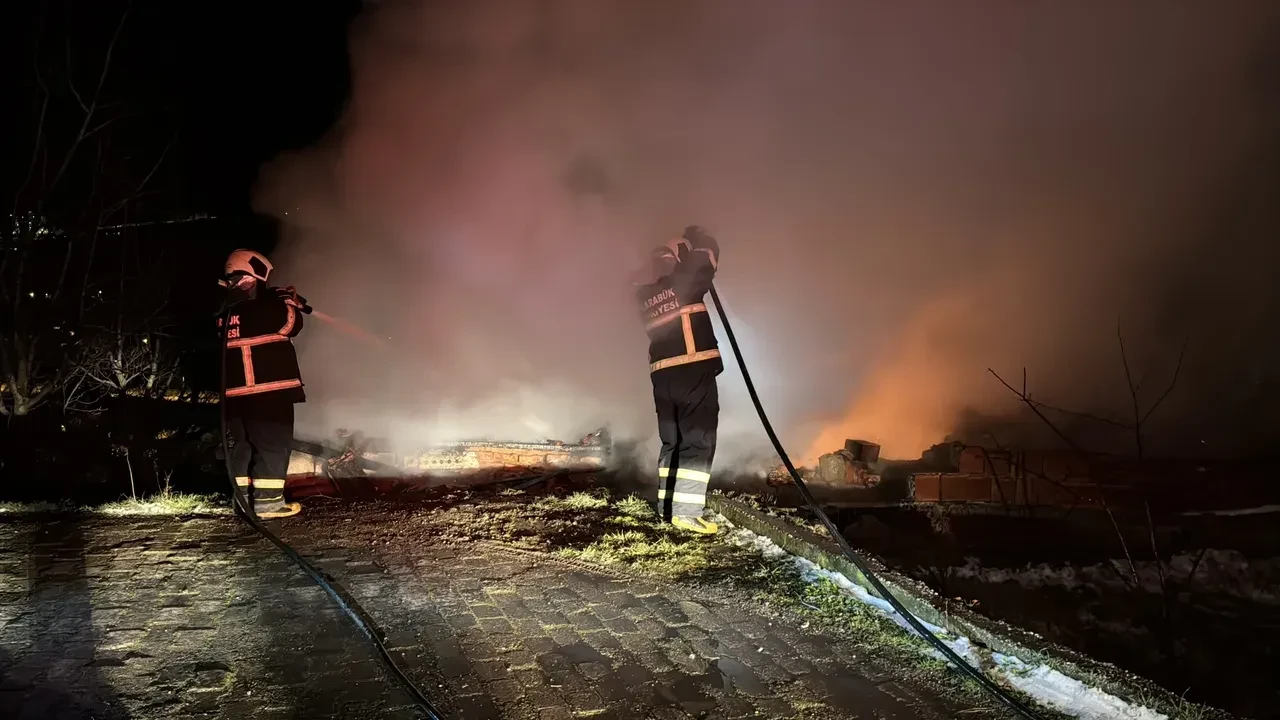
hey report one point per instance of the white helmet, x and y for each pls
(248, 262)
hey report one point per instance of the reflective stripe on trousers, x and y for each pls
(268, 490)
(688, 492)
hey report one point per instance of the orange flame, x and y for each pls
(914, 394)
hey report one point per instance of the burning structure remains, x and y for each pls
(956, 472)
(464, 462)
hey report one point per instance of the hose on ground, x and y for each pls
(862, 565)
(340, 596)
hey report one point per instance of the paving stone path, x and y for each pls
(166, 618)
(151, 618)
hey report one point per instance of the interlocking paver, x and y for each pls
(167, 618)
(152, 618)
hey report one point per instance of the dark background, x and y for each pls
(196, 97)
(214, 90)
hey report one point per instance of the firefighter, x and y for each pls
(262, 380)
(684, 360)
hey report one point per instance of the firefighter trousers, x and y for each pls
(688, 406)
(261, 429)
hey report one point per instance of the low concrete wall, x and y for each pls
(925, 604)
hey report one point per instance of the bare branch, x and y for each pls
(1082, 415)
(1195, 566)
(1033, 406)
(93, 105)
(1155, 552)
(154, 168)
(1133, 569)
(118, 363)
(1133, 393)
(70, 80)
(79, 396)
(36, 147)
(100, 126)
(1176, 370)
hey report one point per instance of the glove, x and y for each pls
(698, 237)
(293, 299)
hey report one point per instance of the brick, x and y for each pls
(584, 620)
(612, 688)
(496, 625)
(602, 640)
(564, 635)
(538, 644)
(605, 611)
(462, 621)
(536, 697)
(530, 678)
(552, 619)
(482, 611)
(505, 691)
(456, 666)
(490, 669)
(476, 707)
(621, 625)
(585, 701)
(594, 670)
(526, 625)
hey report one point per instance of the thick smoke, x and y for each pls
(906, 194)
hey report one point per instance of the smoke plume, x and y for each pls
(906, 194)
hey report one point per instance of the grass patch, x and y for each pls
(165, 504)
(1177, 708)
(17, 508)
(643, 552)
(585, 501)
(638, 540)
(637, 508)
(826, 604)
(168, 503)
(587, 525)
(825, 607)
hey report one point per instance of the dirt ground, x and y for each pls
(499, 606)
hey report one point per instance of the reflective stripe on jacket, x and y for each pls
(260, 353)
(675, 316)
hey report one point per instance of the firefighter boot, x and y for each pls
(268, 500)
(695, 524)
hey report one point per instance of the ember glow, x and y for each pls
(906, 194)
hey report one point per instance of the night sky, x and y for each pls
(948, 157)
(224, 86)
(231, 83)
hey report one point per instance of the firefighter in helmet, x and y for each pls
(261, 379)
(684, 361)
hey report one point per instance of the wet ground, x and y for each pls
(165, 617)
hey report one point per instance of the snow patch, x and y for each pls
(1260, 510)
(1228, 572)
(1040, 682)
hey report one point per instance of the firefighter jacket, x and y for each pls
(675, 316)
(260, 357)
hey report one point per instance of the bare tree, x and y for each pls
(75, 183)
(119, 364)
(1140, 416)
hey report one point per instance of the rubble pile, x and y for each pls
(353, 455)
(850, 466)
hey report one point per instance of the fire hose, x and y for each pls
(863, 566)
(370, 629)
(244, 509)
